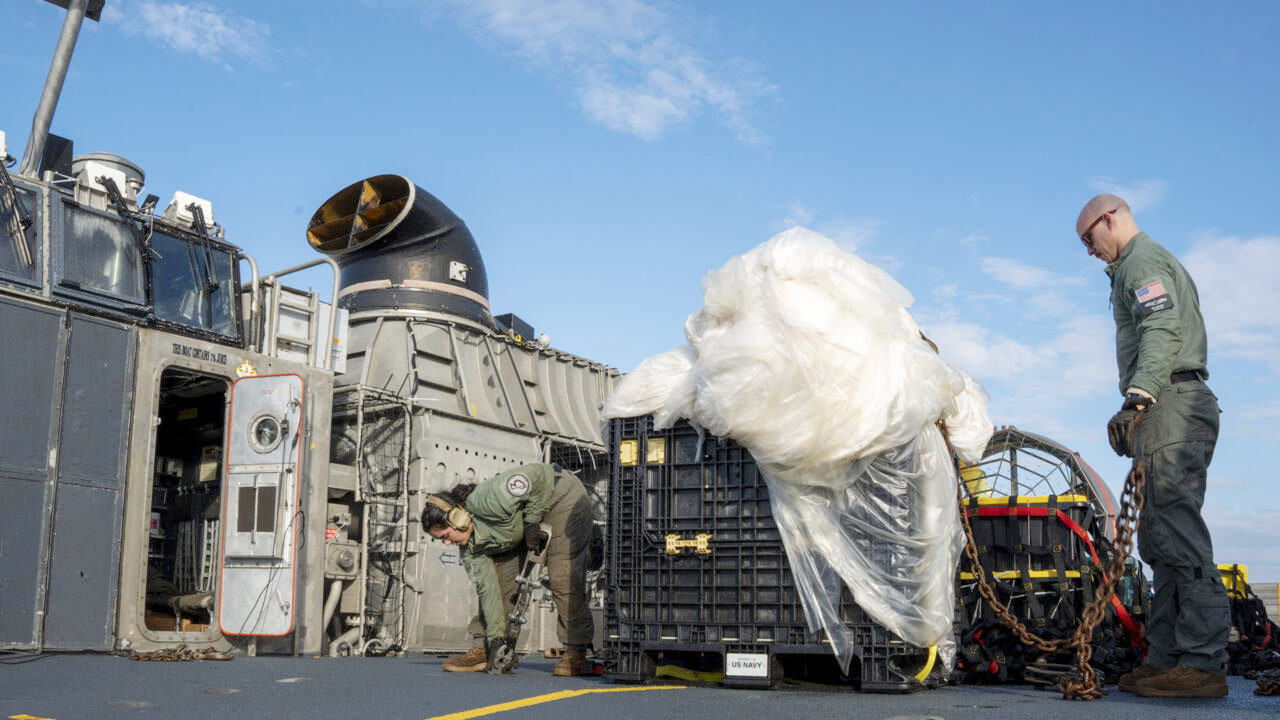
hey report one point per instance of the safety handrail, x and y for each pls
(254, 342)
(327, 346)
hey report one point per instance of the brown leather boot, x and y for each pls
(472, 660)
(1184, 682)
(570, 662)
(1129, 681)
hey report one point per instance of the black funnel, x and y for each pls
(399, 247)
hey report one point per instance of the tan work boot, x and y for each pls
(570, 662)
(472, 660)
(1129, 681)
(1183, 682)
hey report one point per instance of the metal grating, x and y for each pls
(1019, 463)
(378, 424)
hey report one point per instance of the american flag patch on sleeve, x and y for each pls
(1150, 292)
(1152, 297)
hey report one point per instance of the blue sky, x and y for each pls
(607, 154)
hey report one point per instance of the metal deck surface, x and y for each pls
(103, 687)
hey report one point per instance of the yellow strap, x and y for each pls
(1015, 574)
(1031, 499)
(928, 666)
(680, 673)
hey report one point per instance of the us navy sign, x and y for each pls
(753, 665)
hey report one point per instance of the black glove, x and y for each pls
(498, 656)
(1120, 428)
(534, 539)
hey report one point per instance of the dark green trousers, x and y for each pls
(568, 554)
(1190, 617)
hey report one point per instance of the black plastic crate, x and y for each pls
(697, 569)
(1041, 533)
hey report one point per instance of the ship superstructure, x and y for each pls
(196, 453)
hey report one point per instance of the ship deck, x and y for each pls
(73, 686)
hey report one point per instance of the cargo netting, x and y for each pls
(806, 355)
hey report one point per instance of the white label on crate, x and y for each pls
(753, 665)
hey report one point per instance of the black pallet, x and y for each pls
(738, 595)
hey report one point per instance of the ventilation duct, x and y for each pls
(399, 247)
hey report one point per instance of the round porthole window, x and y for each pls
(265, 433)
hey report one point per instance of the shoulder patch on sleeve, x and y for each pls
(518, 485)
(1151, 297)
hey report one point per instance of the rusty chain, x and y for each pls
(1268, 682)
(1083, 685)
(181, 653)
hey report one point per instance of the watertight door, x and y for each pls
(260, 516)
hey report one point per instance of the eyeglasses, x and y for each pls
(1085, 236)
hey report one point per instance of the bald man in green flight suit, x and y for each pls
(1161, 351)
(492, 522)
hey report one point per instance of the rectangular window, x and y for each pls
(257, 509)
(191, 287)
(100, 253)
(267, 508)
(19, 244)
(245, 509)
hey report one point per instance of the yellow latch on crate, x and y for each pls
(655, 450)
(701, 544)
(627, 452)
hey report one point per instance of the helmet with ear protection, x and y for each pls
(455, 515)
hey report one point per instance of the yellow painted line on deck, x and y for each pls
(27, 717)
(549, 697)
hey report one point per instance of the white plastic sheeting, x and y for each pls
(805, 354)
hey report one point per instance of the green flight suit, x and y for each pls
(1160, 342)
(500, 506)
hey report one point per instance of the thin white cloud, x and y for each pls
(1245, 537)
(630, 69)
(1086, 345)
(971, 241)
(1234, 483)
(855, 233)
(1077, 356)
(985, 353)
(1239, 286)
(849, 234)
(1042, 358)
(1043, 294)
(797, 214)
(195, 27)
(1266, 410)
(1021, 276)
(1141, 195)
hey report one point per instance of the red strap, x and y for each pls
(1131, 627)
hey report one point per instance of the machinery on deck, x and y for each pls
(193, 453)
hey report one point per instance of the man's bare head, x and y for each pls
(1105, 226)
